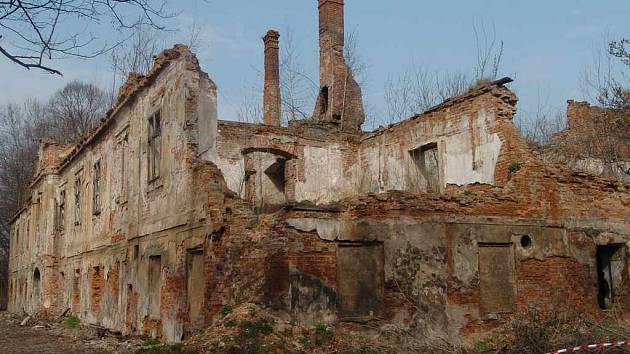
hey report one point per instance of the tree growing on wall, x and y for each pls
(136, 55)
(298, 89)
(418, 88)
(34, 33)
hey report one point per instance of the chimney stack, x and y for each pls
(271, 99)
(340, 101)
(331, 34)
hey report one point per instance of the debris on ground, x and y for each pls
(252, 329)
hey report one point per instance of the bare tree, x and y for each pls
(18, 137)
(538, 127)
(418, 88)
(36, 32)
(489, 52)
(355, 60)
(135, 55)
(74, 110)
(297, 88)
(606, 80)
(70, 113)
(250, 109)
(601, 141)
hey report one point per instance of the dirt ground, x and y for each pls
(39, 337)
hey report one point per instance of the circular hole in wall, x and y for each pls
(526, 241)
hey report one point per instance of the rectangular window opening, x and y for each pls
(155, 284)
(155, 146)
(276, 173)
(426, 160)
(96, 183)
(61, 210)
(323, 96)
(77, 200)
(124, 145)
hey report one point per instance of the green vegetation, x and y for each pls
(323, 334)
(514, 167)
(482, 347)
(225, 310)
(153, 346)
(72, 322)
(150, 342)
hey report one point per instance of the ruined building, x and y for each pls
(445, 223)
(582, 147)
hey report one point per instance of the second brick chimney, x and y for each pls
(271, 99)
(340, 100)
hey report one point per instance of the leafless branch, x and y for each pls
(37, 32)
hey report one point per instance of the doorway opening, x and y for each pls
(610, 267)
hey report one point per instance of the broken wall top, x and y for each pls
(54, 157)
(135, 85)
(496, 88)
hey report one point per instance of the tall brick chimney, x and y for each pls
(340, 101)
(271, 99)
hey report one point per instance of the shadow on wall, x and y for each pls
(4, 288)
(4, 282)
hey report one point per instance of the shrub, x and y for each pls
(150, 342)
(72, 322)
(153, 346)
(514, 167)
(323, 334)
(543, 332)
(225, 310)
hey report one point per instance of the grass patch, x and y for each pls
(153, 346)
(225, 310)
(482, 347)
(72, 322)
(323, 334)
(150, 342)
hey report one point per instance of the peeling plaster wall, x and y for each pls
(322, 171)
(467, 134)
(93, 267)
(468, 141)
(433, 262)
(414, 255)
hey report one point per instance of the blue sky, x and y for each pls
(548, 44)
